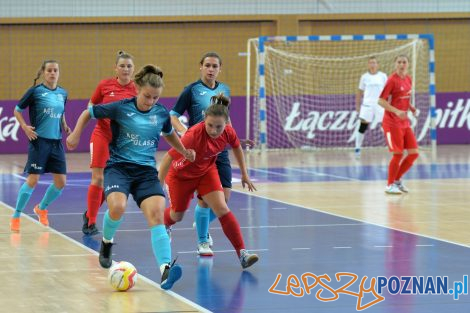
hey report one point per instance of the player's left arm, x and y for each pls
(65, 127)
(238, 153)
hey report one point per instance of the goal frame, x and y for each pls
(262, 40)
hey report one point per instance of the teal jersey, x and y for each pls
(135, 133)
(46, 108)
(195, 99)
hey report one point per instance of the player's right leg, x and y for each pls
(99, 154)
(213, 195)
(119, 182)
(365, 117)
(24, 194)
(394, 139)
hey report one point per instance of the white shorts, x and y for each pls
(371, 112)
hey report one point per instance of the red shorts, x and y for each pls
(181, 191)
(399, 139)
(99, 149)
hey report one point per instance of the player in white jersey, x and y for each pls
(367, 97)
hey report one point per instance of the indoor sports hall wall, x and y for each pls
(86, 47)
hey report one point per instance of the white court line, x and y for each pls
(221, 251)
(141, 277)
(350, 218)
(424, 245)
(321, 174)
(342, 247)
(301, 248)
(383, 246)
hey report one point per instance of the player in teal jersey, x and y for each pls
(46, 154)
(136, 125)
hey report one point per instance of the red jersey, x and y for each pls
(206, 148)
(400, 91)
(110, 90)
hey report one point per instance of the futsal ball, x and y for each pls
(122, 276)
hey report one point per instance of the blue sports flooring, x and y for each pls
(290, 240)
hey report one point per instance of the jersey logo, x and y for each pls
(130, 114)
(44, 94)
(203, 93)
(153, 119)
(111, 94)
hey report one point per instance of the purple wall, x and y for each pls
(13, 139)
(453, 121)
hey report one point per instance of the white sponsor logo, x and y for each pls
(203, 93)
(456, 115)
(44, 94)
(111, 187)
(136, 141)
(8, 127)
(130, 114)
(36, 167)
(50, 112)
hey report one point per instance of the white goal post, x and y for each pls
(303, 91)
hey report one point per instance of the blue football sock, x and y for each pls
(201, 217)
(212, 216)
(24, 194)
(160, 244)
(110, 226)
(51, 195)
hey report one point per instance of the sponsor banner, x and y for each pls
(452, 114)
(294, 121)
(13, 139)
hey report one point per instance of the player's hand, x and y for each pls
(247, 143)
(416, 112)
(401, 114)
(67, 129)
(72, 141)
(246, 181)
(30, 133)
(190, 155)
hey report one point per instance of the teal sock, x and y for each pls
(24, 194)
(212, 216)
(51, 195)
(201, 217)
(110, 226)
(160, 244)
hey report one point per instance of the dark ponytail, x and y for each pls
(219, 106)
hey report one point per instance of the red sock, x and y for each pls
(167, 218)
(232, 230)
(406, 164)
(393, 168)
(95, 199)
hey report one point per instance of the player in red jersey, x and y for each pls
(108, 90)
(395, 98)
(183, 178)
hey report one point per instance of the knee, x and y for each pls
(221, 211)
(97, 179)
(32, 180)
(116, 210)
(363, 127)
(177, 217)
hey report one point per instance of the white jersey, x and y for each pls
(372, 86)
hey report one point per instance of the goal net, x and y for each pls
(303, 91)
